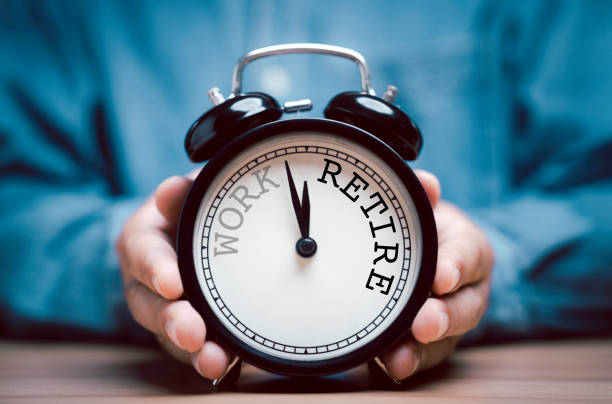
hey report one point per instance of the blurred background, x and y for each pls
(512, 97)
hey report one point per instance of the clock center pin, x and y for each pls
(306, 247)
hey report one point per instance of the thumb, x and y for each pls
(169, 197)
(431, 185)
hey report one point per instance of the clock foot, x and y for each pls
(231, 373)
(377, 365)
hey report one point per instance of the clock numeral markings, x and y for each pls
(225, 244)
(389, 253)
(326, 171)
(245, 195)
(350, 191)
(352, 184)
(231, 218)
(383, 282)
(382, 226)
(241, 193)
(262, 179)
(379, 201)
(386, 249)
(226, 220)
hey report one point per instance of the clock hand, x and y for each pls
(305, 246)
(296, 202)
(305, 214)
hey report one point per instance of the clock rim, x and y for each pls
(398, 329)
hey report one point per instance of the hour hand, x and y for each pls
(305, 212)
(297, 207)
(305, 246)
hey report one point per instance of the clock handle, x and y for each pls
(241, 112)
(366, 85)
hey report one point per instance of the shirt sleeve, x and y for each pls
(552, 230)
(61, 203)
(552, 275)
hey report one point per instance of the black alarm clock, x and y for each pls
(307, 245)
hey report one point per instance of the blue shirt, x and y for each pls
(513, 99)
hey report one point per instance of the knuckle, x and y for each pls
(129, 291)
(472, 256)
(166, 313)
(480, 306)
(132, 294)
(443, 281)
(484, 301)
(458, 251)
(479, 265)
(148, 268)
(121, 245)
(440, 306)
(460, 265)
(473, 323)
(143, 253)
(131, 246)
(486, 254)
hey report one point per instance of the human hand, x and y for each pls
(153, 286)
(152, 282)
(459, 293)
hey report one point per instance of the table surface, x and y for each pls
(546, 371)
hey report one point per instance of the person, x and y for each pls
(510, 96)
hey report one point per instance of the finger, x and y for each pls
(150, 258)
(451, 315)
(431, 185)
(176, 352)
(169, 197)
(435, 353)
(409, 357)
(211, 361)
(458, 263)
(464, 258)
(176, 320)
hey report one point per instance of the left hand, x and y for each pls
(152, 282)
(460, 290)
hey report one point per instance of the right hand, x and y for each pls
(152, 282)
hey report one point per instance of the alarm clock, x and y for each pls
(307, 245)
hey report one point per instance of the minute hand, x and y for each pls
(302, 211)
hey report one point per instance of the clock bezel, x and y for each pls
(400, 326)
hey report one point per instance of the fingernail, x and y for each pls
(170, 328)
(456, 277)
(443, 322)
(194, 362)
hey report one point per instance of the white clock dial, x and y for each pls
(355, 285)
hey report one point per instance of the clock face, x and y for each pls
(282, 305)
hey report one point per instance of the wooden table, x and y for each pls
(561, 371)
